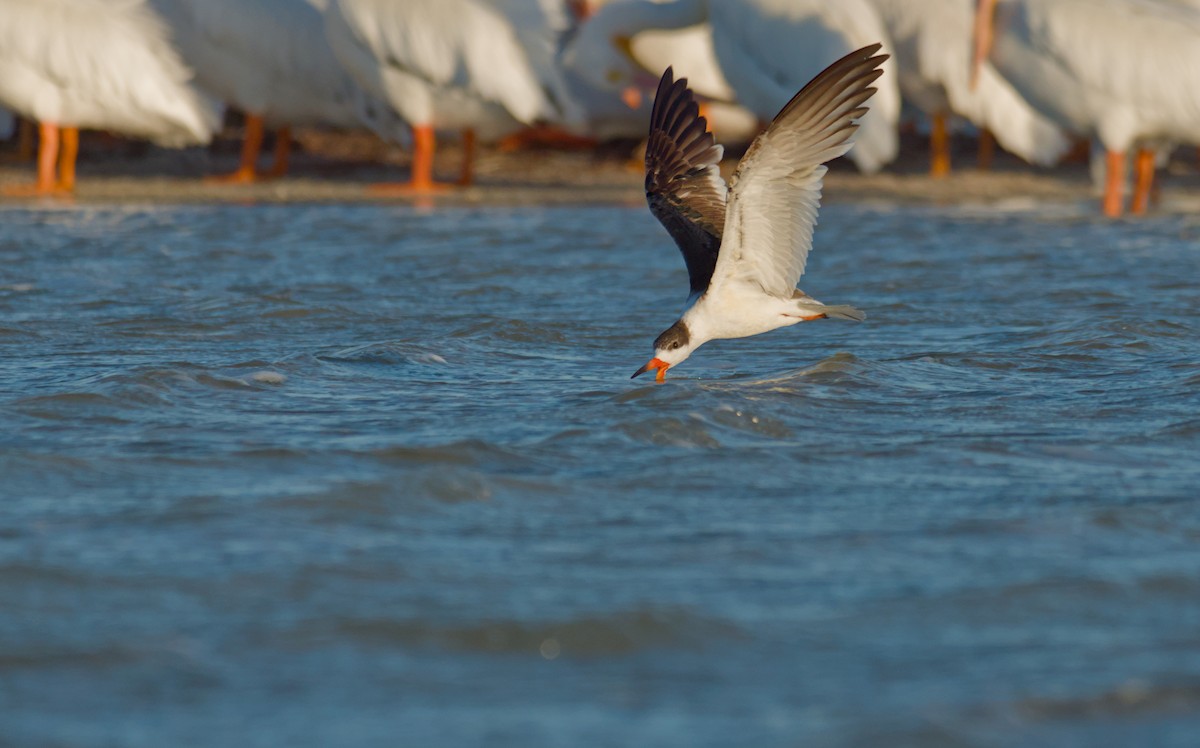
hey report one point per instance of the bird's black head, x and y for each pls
(670, 348)
(673, 338)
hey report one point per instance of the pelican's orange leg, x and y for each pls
(421, 181)
(251, 145)
(939, 144)
(1144, 173)
(987, 149)
(67, 153)
(467, 176)
(283, 150)
(1114, 184)
(47, 161)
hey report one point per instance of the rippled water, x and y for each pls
(330, 475)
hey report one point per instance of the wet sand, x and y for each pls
(340, 168)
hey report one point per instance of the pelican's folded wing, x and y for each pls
(683, 179)
(776, 191)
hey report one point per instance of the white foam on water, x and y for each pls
(268, 377)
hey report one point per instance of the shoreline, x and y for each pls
(339, 169)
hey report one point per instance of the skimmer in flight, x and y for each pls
(746, 243)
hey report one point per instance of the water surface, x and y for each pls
(375, 476)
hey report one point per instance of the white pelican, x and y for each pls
(541, 26)
(610, 52)
(1126, 72)
(442, 64)
(94, 64)
(606, 114)
(767, 48)
(270, 59)
(932, 46)
(746, 244)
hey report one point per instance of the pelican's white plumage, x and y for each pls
(766, 49)
(769, 48)
(442, 64)
(932, 45)
(1118, 69)
(266, 57)
(660, 35)
(626, 45)
(688, 50)
(439, 62)
(541, 26)
(598, 50)
(99, 64)
(1126, 72)
(271, 59)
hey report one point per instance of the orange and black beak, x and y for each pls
(985, 19)
(655, 363)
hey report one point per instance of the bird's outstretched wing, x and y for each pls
(776, 190)
(683, 179)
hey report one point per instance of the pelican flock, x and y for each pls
(1038, 76)
(443, 65)
(271, 60)
(1124, 72)
(766, 49)
(931, 41)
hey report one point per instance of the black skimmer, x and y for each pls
(745, 244)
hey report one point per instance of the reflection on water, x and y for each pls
(314, 475)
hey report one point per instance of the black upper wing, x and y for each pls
(683, 179)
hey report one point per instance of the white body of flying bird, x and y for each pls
(746, 244)
(98, 64)
(271, 60)
(1125, 72)
(931, 42)
(443, 65)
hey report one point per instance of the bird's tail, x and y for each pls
(807, 305)
(834, 311)
(844, 311)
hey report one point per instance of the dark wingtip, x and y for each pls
(664, 85)
(837, 76)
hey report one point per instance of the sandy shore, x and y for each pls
(339, 168)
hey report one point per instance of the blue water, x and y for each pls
(377, 476)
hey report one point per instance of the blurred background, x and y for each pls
(316, 325)
(415, 98)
